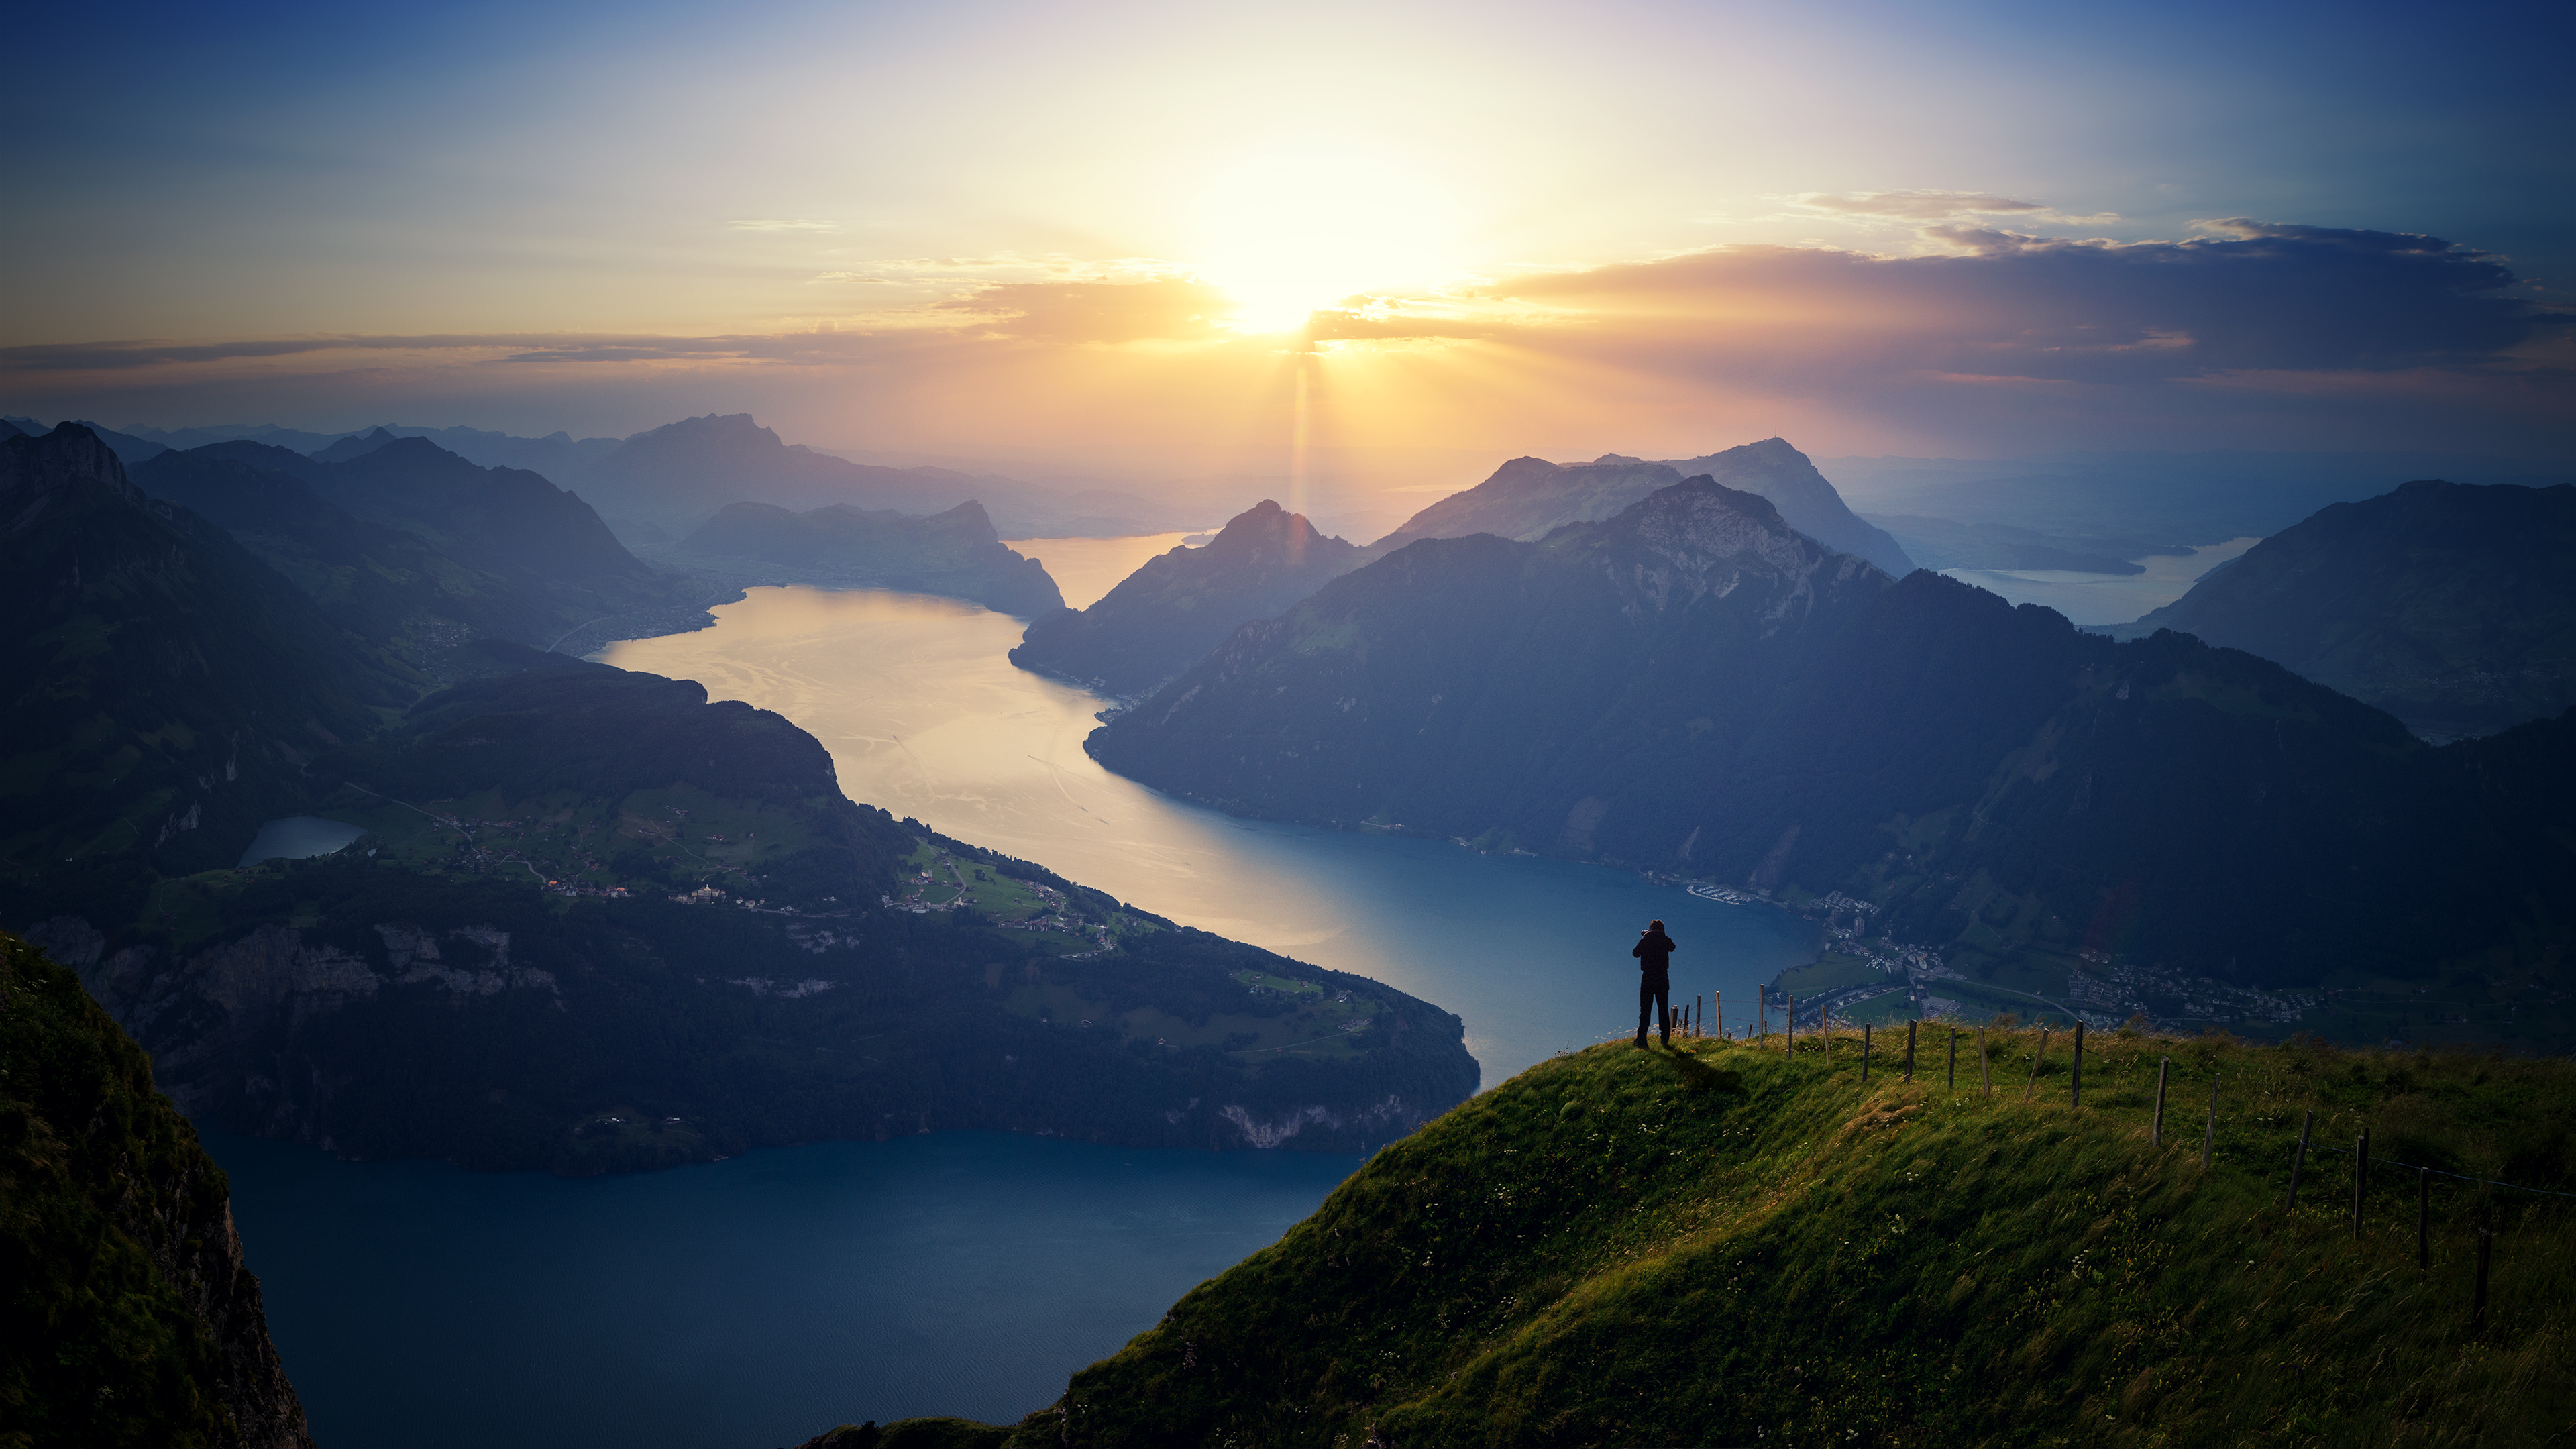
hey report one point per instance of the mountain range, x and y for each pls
(956, 553)
(2450, 606)
(1178, 606)
(1692, 686)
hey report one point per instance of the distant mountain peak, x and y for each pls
(42, 469)
(1805, 497)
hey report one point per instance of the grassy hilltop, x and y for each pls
(1726, 1244)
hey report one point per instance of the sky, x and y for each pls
(1196, 236)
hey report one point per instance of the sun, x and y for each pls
(1293, 228)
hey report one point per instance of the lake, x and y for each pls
(760, 1301)
(750, 1303)
(2096, 599)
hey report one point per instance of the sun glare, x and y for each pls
(1292, 229)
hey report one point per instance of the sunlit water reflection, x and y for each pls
(925, 716)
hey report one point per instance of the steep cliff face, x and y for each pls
(131, 1319)
(1183, 603)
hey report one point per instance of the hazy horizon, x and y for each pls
(1021, 230)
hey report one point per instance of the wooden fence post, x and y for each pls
(1984, 1077)
(2028, 1087)
(2360, 1176)
(2075, 1084)
(2424, 1217)
(1909, 1051)
(1864, 1054)
(2478, 1313)
(1718, 999)
(2156, 1127)
(2209, 1139)
(1791, 1049)
(2299, 1156)
(1954, 1059)
(1825, 1033)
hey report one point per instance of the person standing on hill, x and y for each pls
(1654, 953)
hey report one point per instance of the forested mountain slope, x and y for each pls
(384, 583)
(1182, 603)
(1693, 687)
(130, 1319)
(2450, 606)
(166, 690)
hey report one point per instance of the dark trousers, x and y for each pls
(1655, 995)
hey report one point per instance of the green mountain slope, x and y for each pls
(1721, 1244)
(2450, 606)
(955, 553)
(382, 582)
(1181, 604)
(130, 1319)
(167, 690)
(1693, 688)
(507, 520)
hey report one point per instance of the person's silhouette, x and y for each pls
(1654, 953)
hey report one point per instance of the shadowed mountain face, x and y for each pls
(955, 553)
(1784, 475)
(509, 521)
(132, 1320)
(381, 582)
(1692, 686)
(2450, 606)
(1179, 605)
(166, 688)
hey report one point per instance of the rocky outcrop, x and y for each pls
(132, 1319)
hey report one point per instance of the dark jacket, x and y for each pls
(1654, 953)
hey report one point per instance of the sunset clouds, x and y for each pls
(1023, 224)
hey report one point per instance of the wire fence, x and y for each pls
(1687, 1020)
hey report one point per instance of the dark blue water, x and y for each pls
(755, 1302)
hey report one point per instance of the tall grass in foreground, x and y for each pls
(1727, 1243)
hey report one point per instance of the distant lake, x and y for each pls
(758, 1302)
(2107, 598)
(298, 837)
(748, 1303)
